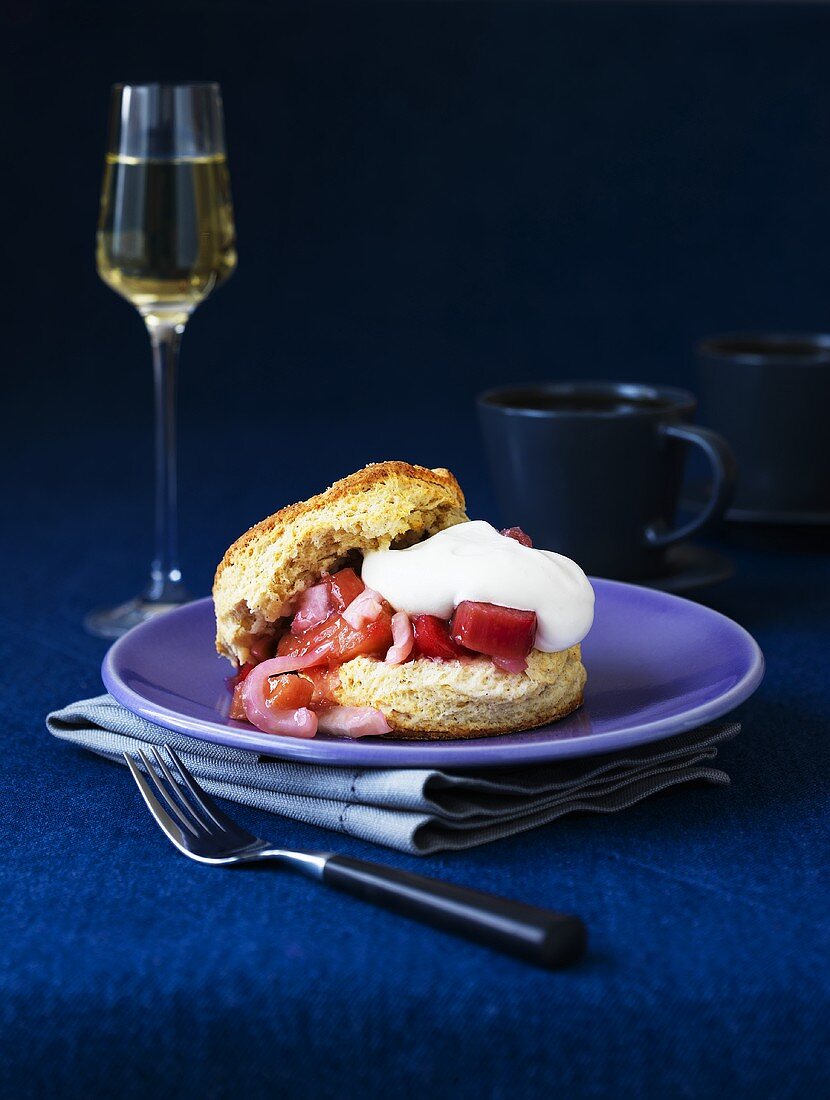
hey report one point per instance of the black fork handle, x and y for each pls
(538, 936)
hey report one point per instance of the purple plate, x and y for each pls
(657, 665)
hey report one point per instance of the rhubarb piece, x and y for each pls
(260, 711)
(288, 692)
(237, 711)
(497, 631)
(402, 637)
(313, 607)
(518, 534)
(344, 586)
(234, 681)
(285, 723)
(262, 649)
(285, 691)
(364, 609)
(294, 661)
(353, 721)
(335, 642)
(323, 684)
(334, 593)
(511, 664)
(432, 639)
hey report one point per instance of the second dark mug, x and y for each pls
(770, 394)
(593, 470)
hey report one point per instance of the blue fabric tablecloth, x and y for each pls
(126, 970)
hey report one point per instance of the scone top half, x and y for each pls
(387, 505)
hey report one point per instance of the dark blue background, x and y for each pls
(430, 198)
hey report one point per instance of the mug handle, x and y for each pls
(722, 461)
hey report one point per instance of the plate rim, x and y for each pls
(478, 752)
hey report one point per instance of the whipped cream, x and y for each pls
(472, 561)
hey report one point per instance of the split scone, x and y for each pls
(379, 608)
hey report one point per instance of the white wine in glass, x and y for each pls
(165, 240)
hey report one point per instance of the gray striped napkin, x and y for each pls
(416, 810)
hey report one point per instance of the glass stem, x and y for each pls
(165, 575)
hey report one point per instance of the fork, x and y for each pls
(200, 830)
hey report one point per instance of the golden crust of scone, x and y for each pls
(385, 504)
(431, 700)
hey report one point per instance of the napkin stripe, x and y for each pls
(419, 811)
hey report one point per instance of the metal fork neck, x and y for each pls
(310, 864)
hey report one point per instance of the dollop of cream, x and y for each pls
(472, 561)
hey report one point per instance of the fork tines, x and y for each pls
(178, 803)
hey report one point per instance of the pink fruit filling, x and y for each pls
(284, 687)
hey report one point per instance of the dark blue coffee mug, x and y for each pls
(769, 394)
(593, 470)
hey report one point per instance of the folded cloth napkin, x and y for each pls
(416, 810)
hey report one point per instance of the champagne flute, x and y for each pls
(165, 240)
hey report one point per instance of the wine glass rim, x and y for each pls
(175, 86)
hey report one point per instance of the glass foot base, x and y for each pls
(112, 622)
